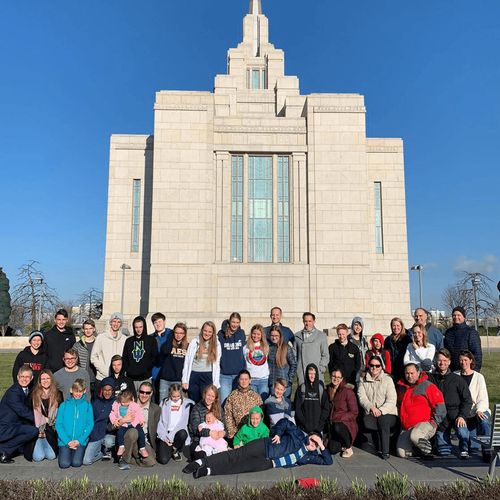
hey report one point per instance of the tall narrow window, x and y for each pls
(260, 209)
(237, 209)
(283, 210)
(379, 233)
(136, 214)
(255, 79)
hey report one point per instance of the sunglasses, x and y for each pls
(375, 366)
(145, 392)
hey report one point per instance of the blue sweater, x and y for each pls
(75, 420)
(462, 337)
(232, 360)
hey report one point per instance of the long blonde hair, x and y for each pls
(263, 342)
(212, 346)
(282, 348)
(424, 336)
(215, 408)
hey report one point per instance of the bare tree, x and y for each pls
(5, 306)
(32, 296)
(91, 303)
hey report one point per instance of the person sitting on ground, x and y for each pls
(281, 360)
(342, 425)
(277, 406)
(458, 403)
(208, 444)
(45, 400)
(287, 447)
(345, 355)
(253, 429)
(239, 403)
(102, 439)
(69, 373)
(33, 355)
(74, 423)
(378, 400)
(420, 351)
(377, 349)
(421, 411)
(126, 414)
(173, 425)
(396, 343)
(311, 403)
(478, 422)
(17, 423)
(209, 402)
(117, 373)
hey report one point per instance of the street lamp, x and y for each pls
(123, 267)
(476, 280)
(419, 268)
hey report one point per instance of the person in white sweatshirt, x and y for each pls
(420, 351)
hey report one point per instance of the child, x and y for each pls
(254, 429)
(208, 444)
(278, 406)
(377, 349)
(74, 423)
(127, 414)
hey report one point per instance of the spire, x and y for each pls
(255, 7)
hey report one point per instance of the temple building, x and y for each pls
(255, 195)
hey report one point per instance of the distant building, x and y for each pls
(254, 195)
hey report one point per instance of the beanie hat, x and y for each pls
(35, 333)
(116, 315)
(459, 309)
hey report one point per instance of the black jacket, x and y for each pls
(311, 404)
(139, 356)
(457, 397)
(173, 361)
(37, 362)
(347, 358)
(56, 343)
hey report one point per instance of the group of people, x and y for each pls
(225, 399)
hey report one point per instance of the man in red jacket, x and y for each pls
(421, 410)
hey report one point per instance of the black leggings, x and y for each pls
(164, 451)
(339, 437)
(248, 458)
(380, 428)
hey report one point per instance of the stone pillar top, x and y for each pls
(255, 7)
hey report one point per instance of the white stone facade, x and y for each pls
(182, 264)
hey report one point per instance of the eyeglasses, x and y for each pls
(69, 358)
(375, 366)
(337, 378)
(145, 392)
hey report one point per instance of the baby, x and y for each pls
(208, 444)
(126, 414)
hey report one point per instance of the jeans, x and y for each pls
(227, 384)
(69, 457)
(197, 382)
(141, 438)
(164, 388)
(443, 439)
(260, 386)
(43, 450)
(478, 427)
(93, 452)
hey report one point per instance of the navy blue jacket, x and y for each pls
(102, 408)
(286, 333)
(232, 360)
(463, 337)
(14, 411)
(292, 439)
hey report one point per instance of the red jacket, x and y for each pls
(422, 402)
(384, 355)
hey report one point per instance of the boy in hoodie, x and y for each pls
(377, 349)
(117, 373)
(74, 423)
(254, 429)
(101, 439)
(357, 338)
(33, 356)
(345, 356)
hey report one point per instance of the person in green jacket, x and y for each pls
(254, 429)
(74, 423)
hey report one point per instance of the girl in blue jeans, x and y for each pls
(74, 423)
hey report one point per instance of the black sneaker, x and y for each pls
(200, 472)
(191, 467)
(106, 455)
(464, 455)
(176, 456)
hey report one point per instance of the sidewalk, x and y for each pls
(362, 465)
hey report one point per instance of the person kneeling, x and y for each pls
(288, 447)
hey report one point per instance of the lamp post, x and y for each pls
(123, 267)
(476, 280)
(419, 268)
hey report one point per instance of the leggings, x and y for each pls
(164, 451)
(339, 437)
(380, 428)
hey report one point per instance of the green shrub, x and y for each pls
(393, 485)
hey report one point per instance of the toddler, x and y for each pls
(208, 444)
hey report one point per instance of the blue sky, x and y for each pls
(73, 73)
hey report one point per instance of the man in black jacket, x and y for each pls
(345, 355)
(16, 419)
(458, 400)
(58, 340)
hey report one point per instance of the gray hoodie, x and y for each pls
(311, 349)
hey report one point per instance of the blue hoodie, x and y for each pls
(101, 409)
(232, 360)
(75, 420)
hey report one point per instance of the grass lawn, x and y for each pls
(491, 362)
